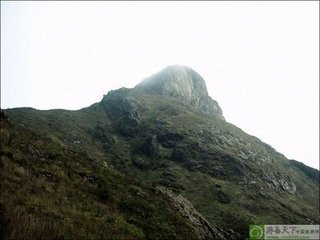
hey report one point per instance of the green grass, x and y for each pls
(49, 192)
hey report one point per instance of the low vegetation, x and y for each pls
(50, 192)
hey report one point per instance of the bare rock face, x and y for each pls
(182, 83)
(203, 228)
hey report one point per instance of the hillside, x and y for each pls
(157, 161)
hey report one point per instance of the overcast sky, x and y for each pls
(260, 60)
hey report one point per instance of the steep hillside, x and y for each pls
(52, 192)
(167, 138)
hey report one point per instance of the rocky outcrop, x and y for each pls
(124, 110)
(203, 228)
(182, 83)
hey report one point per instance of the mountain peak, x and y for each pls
(176, 80)
(183, 83)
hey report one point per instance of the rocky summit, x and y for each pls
(182, 83)
(157, 161)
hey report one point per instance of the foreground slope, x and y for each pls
(52, 192)
(168, 134)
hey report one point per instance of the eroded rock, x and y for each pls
(182, 83)
(203, 228)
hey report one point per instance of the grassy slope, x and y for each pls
(52, 192)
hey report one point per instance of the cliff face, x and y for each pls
(184, 84)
